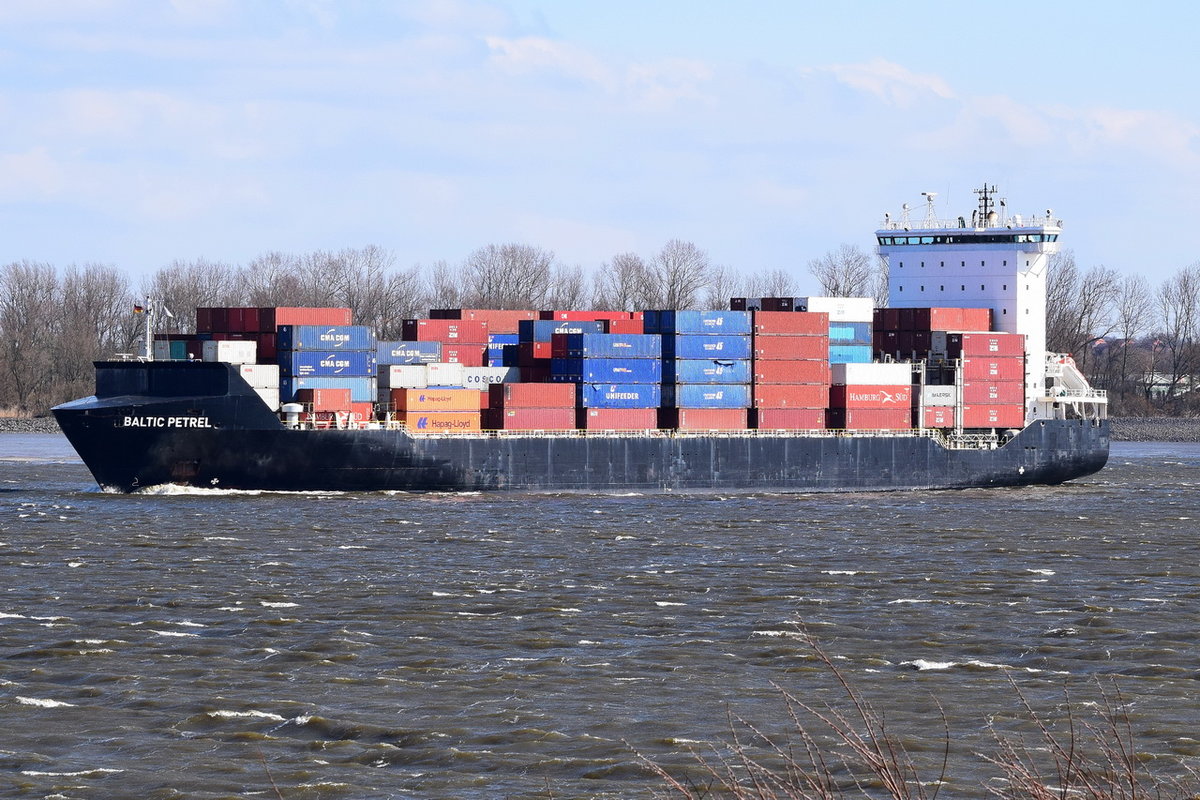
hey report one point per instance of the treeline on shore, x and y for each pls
(1136, 340)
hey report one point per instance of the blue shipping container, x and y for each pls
(613, 345)
(618, 395)
(707, 370)
(321, 362)
(511, 356)
(500, 339)
(399, 353)
(325, 337)
(726, 323)
(362, 390)
(540, 330)
(691, 345)
(606, 370)
(701, 395)
(850, 332)
(850, 354)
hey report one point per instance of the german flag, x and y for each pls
(138, 308)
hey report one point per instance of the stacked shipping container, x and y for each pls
(871, 396)
(706, 368)
(791, 370)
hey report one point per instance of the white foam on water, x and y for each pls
(907, 600)
(780, 634)
(6, 615)
(1041, 571)
(42, 702)
(178, 634)
(666, 603)
(222, 714)
(840, 572)
(85, 773)
(272, 604)
(922, 665)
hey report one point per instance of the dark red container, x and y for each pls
(993, 369)
(250, 323)
(887, 319)
(869, 419)
(788, 419)
(267, 348)
(779, 304)
(538, 373)
(887, 397)
(792, 347)
(220, 320)
(907, 318)
(498, 320)
(887, 342)
(1011, 415)
(447, 331)
(616, 419)
(775, 395)
(791, 371)
(786, 323)
(993, 392)
(963, 345)
(910, 342)
(530, 419)
(204, 318)
(531, 395)
(737, 304)
(703, 419)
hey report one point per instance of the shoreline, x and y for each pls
(1124, 429)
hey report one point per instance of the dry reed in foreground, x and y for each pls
(831, 753)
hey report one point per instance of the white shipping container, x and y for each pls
(482, 377)
(231, 352)
(402, 376)
(270, 396)
(840, 309)
(893, 373)
(162, 350)
(444, 373)
(261, 376)
(937, 395)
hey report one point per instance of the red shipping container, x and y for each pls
(250, 320)
(447, 331)
(813, 371)
(235, 320)
(777, 395)
(787, 304)
(498, 320)
(352, 414)
(530, 353)
(271, 318)
(585, 316)
(921, 342)
(993, 369)
(994, 416)
(531, 395)
(939, 416)
(870, 396)
(267, 348)
(469, 355)
(220, 320)
(616, 419)
(204, 320)
(791, 347)
(703, 419)
(737, 304)
(869, 419)
(636, 326)
(441, 421)
(324, 399)
(963, 345)
(531, 419)
(993, 392)
(788, 419)
(907, 319)
(904, 343)
(976, 319)
(937, 319)
(784, 323)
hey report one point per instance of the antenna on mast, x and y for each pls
(987, 212)
(930, 216)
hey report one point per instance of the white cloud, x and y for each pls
(34, 173)
(535, 54)
(893, 83)
(662, 84)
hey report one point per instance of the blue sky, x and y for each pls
(135, 133)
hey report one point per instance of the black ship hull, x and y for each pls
(136, 432)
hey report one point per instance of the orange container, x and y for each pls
(441, 421)
(1010, 415)
(436, 400)
(788, 419)
(812, 371)
(778, 395)
(775, 323)
(793, 347)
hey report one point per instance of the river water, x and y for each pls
(237, 644)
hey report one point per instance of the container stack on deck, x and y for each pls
(874, 396)
(617, 378)
(791, 370)
(323, 356)
(706, 368)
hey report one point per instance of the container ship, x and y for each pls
(949, 386)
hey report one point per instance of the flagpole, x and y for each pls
(149, 330)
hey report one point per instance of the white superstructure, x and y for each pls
(994, 259)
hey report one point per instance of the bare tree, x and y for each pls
(771, 283)
(95, 321)
(445, 286)
(28, 317)
(272, 279)
(624, 284)
(1079, 306)
(1131, 317)
(568, 288)
(184, 286)
(681, 271)
(845, 272)
(722, 285)
(508, 276)
(1179, 309)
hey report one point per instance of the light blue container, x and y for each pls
(701, 395)
(618, 395)
(362, 390)
(400, 353)
(706, 370)
(687, 345)
(325, 337)
(850, 332)
(850, 354)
